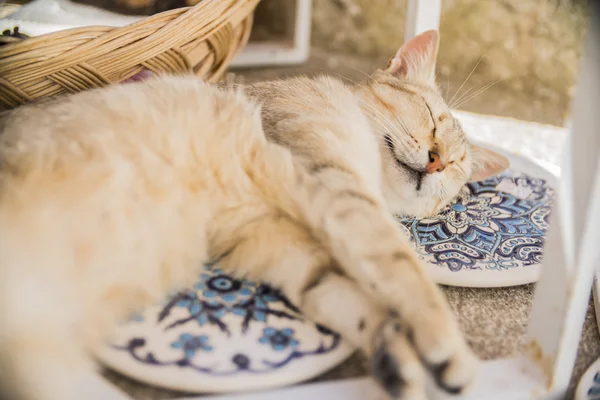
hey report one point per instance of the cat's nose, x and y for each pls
(435, 163)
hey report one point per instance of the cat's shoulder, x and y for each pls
(161, 101)
(302, 85)
(323, 93)
(157, 93)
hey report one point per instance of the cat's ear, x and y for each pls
(486, 163)
(416, 58)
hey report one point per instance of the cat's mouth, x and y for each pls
(416, 174)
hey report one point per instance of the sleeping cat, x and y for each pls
(111, 198)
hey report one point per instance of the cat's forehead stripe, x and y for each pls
(398, 86)
(391, 109)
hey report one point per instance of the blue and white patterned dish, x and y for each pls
(588, 387)
(223, 335)
(493, 234)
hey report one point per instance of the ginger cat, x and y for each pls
(111, 198)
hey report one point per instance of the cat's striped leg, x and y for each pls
(274, 249)
(371, 249)
(365, 241)
(338, 302)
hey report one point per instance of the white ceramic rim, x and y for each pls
(584, 383)
(170, 378)
(596, 295)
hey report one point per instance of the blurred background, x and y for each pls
(530, 48)
(527, 50)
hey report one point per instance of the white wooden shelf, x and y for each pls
(295, 50)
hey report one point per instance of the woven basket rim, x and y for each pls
(201, 39)
(172, 17)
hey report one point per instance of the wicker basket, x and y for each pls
(201, 39)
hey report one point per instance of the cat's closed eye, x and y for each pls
(433, 131)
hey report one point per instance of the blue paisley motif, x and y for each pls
(221, 303)
(594, 391)
(487, 227)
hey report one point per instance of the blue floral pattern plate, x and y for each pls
(493, 234)
(222, 335)
(588, 387)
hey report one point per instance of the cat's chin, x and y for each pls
(414, 209)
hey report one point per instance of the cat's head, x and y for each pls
(425, 154)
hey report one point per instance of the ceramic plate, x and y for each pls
(492, 236)
(589, 384)
(223, 335)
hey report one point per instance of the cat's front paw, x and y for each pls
(400, 367)
(395, 365)
(443, 350)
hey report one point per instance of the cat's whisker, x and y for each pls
(447, 89)
(478, 92)
(386, 127)
(390, 136)
(402, 123)
(349, 80)
(370, 107)
(389, 129)
(396, 139)
(461, 169)
(382, 118)
(404, 139)
(361, 71)
(399, 120)
(443, 191)
(462, 96)
(387, 133)
(463, 84)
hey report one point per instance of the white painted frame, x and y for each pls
(421, 16)
(281, 53)
(571, 253)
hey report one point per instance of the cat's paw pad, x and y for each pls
(395, 365)
(456, 373)
(386, 370)
(446, 356)
(400, 362)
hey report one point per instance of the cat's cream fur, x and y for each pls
(113, 197)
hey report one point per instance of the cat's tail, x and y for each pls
(40, 358)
